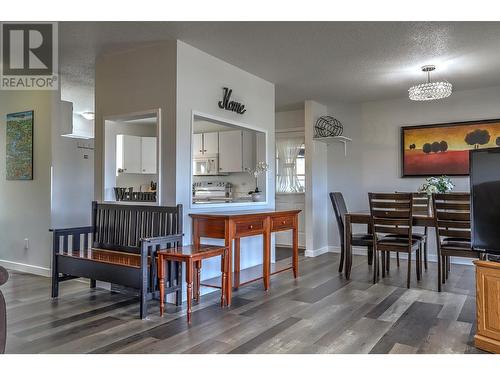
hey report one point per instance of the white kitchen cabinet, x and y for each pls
(236, 151)
(248, 147)
(230, 153)
(197, 145)
(128, 153)
(136, 154)
(211, 143)
(205, 144)
(148, 155)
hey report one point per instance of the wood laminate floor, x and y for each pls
(320, 312)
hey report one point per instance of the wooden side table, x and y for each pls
(192, 255)
(488, 306)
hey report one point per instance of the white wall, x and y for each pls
(290, 119)
(25, 205)
(200, 79)
(373, 160)
(316, 183)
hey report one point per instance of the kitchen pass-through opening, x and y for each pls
(229, 163)
(131, 158)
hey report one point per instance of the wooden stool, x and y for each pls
(192, 255)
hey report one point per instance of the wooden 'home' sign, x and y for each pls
(230, 105)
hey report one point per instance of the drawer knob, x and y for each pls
(283, 222)
(250, 227)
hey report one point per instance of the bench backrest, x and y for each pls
(121, 227)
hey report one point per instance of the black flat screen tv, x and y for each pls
(485, 199)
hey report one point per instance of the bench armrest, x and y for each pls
(62, 237)
(159, 241)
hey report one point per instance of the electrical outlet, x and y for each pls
(26, 244)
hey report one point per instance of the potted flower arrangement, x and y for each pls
(441, 184)
(433, 185)
(260, 168)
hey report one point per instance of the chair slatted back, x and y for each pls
(421, 203)
(121, 227)
(391, 213)
(452, 215)
(340, 209)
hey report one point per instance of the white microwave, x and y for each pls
(206, 166)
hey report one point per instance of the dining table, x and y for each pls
(364, 217)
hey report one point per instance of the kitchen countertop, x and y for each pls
(228, 214)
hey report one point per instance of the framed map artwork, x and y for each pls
(19, 146)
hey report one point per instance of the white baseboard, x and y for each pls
(431, 257)
(28, 268)
(316, 252)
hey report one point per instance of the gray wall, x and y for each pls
(139, 79)
(72, 182)
(25, 205)
(344, 174)
(373, 158)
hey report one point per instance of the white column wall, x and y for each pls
(316, 183)
(200, 80)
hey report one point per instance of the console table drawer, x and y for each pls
(282, 223)
(247, 228)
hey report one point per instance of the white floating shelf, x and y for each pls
(339, 138)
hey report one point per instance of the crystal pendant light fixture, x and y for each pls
(430, 90)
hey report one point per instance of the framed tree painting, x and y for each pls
(19, 146)
(443, 149)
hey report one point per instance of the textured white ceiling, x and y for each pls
(326, 61)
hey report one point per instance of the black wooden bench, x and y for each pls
(120, 247)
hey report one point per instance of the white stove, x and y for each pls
(212, 192)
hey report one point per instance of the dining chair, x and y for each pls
(3, 311)
(421, 206)
(392, 214)
(358, 239)
(453, 233)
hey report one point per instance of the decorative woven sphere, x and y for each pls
(328, 126)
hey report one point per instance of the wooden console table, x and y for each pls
(234, 225)
(488, 306)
